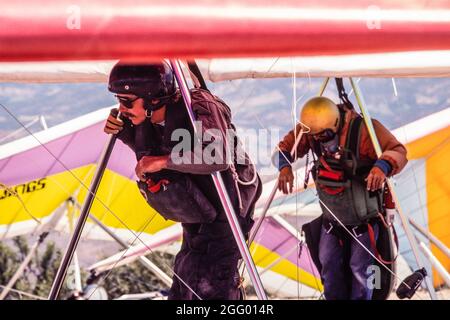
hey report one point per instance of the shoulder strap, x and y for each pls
(342, 94)
(193, 67)
(353, 136)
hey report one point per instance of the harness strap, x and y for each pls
(306, 180)
(194, 69)
(353, 138)
(373, 244)
(155, 187)
(241, 288)
(333, 175)
(332, 191)
(325, 164)
(342, 94)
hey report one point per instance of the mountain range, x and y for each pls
(262, 108)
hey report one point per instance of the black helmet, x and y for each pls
(147, 81)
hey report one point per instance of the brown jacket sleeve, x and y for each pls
(287, 143)
(392, 150)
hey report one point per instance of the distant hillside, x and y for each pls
(267, 99)
(256, 104)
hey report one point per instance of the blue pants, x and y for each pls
(339, 259)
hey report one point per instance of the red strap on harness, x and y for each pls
(333, 175)
(155, 187)
(388, 200)
(330, 173)
(325, 164)
(332, 191)
(373, 244)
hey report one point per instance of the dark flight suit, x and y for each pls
(207, 261)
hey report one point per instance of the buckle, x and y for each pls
(354, 232)
(331, 228)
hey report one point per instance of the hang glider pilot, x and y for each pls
(180, 187)
(349, 179)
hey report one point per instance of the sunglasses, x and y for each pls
(125, 101)
(325, 135)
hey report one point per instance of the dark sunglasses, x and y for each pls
(325, 135)
(126, 102)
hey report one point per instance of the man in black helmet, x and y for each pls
(176, 183)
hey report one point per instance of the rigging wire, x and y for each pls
(422, 205)
(293, 108)
(362, 245)
(413, 193)
(413, 168)
(254, 88)
(352, 91)
(16, 194)
(152, 252)
(294, 118)
(351, 233)
(136, 236)
(20, 293)
(142, 231)
(394, 86)
(293, 111)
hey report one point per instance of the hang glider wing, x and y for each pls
(57, 164)
(161, 238)
(424, 185)
(43, 183)
(367, 38)
(54, 30)
(386, 64)
(275, 251)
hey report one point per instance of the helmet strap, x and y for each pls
(162, 102)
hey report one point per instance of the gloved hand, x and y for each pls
(113, 124)
(286, 180)
(149, 164)
(375, 179)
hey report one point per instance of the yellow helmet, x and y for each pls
(319, 114)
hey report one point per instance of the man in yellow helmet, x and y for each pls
(349, 178)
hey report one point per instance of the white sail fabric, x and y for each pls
(390, 64)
